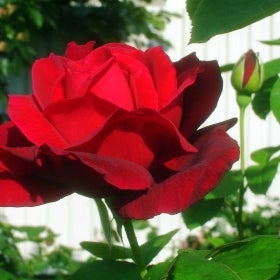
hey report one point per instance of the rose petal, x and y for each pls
(81, 75)
(47, 80)
(143, 137)
(25, 114)
(19, 160)
(197, 174)
(127, 84)
(121, 174)
(76, 52)
(187, 70)
(16, 191)
(201, 98)
(11, 136)
(163, 74)
(76, 118)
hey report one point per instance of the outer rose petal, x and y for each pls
(197, 174)
(187, 73)
(11, 136)
(201, 98)
(88, 171)
(17, 191)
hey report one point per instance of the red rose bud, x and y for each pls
(247, 74)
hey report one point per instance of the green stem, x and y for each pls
(243, 101)
(130, 233)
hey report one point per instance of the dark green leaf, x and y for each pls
(201, 212)
(262, 156)
(105, 220)
(107, 269)
(118, 220)
(36, 17)
(226, 67)
(101, 250)
(157, 271)
(5, 275)
(271, 42)
(275, 100)
(260, 177)
(261, 100)
(229, 184)
(213, 17)
(152, 247)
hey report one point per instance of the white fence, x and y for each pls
(75, 218)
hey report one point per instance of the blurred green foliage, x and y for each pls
(29, 252)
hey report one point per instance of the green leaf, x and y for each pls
(105, 220)
(36, 17)
(152, 247)
(261, 100)
(262, 156)
(275, 100)
(5, 275)
(157, 271)
(253, 259)
(118, 220)
(271, 42)
(213, 17)
(107, 269)
(271, 68)
(226, 67)
(32, 232)
(229, 184)
(260, 177)
(201, 212)
(101, 250)
(195, 266)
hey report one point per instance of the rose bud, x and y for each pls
(247, 74)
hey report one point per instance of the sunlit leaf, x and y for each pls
(213, 17)
(271, 68)
(254, 259)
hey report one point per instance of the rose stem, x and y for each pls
(243, 101)
(130, 233)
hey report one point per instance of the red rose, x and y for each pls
(116, 122)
